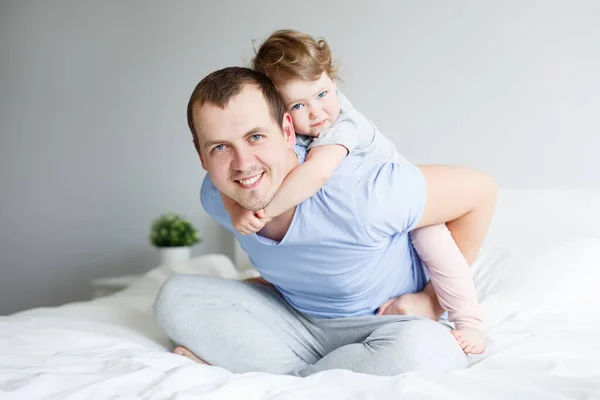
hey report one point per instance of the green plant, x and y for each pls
(172, 230)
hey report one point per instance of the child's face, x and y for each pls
(313, 105)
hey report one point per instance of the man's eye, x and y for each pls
(219, 147)
(322, 94)
(256, 137)
(297, 106)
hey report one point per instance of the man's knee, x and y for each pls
(167, 299)
(425, 345)
(182, 294)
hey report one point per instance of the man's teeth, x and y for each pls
(250, 181)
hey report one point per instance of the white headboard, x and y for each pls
(528, 217)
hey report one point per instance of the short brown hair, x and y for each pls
(219, 87)
(292, 54)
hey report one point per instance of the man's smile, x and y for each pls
(250, 182)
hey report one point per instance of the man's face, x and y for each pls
(245, 152)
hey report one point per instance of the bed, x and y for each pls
(538, 281)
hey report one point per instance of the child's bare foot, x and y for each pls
(413, 304)
(183, 351)
(471, 340)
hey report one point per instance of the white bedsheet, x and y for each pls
(541, 315)
(542, 325)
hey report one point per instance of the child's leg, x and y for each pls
(452, 282)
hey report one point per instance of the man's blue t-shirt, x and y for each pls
(348, 248)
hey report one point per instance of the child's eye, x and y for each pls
(322, 94)
(297, 106)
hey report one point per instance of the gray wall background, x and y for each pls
(93, 136)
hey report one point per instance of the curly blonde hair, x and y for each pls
(289, 54)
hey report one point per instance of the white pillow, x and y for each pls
(555, 279)
(141, 294)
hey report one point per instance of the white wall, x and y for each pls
(93, 136)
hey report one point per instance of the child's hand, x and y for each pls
(245, 221)
(263, 216)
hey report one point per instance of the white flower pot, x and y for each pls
(174, 255)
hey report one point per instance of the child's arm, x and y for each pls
(450, 275)
(244, 221)
(307, 178)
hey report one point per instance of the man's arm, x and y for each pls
(463, 198)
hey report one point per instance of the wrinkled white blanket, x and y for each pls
(541, 317)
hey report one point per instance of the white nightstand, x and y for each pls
(107, 286)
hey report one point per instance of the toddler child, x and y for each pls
(302, 69)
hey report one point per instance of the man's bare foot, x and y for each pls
(471, 340)
(183, 351)
(412, 304)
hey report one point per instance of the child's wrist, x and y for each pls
(270, 214)
(266, 213)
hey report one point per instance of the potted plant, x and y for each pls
(174, 236)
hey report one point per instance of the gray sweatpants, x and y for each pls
(247, 327)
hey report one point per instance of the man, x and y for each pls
(332, 260)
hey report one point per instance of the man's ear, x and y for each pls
(197, 147)
(202, 162)
(288, 130)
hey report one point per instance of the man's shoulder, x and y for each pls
(207, 189)
(211, 201)
(383, 197)
(375, 182)
(361, 168)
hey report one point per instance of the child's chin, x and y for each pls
(316, 131)
(312, 134)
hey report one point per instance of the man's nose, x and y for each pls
(242, 159)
